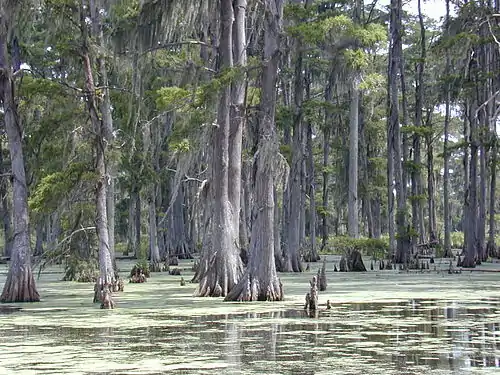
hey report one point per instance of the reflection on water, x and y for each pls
(413, 337)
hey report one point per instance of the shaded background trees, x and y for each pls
(374, 134)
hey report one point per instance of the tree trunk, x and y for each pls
(177, 242)
(390, 148)
(162, 206)
(245, 207)
(466, 165)
(353, 224)
(400, 154)
(481, 219)
(20, 284)
(154, 251)
(107, 124)
(431, 205)
(278, 254)
(313, 256)
(292, 256)
(470, 228)
(260, 281)
(106, 273)
(237, 113)
(133, 238)
(303, 190)
(363, 158)
(326, 159)
(39, 237)
(224, 264)
(5, 211)
(416, 173)
(491, 247)
(446, 156)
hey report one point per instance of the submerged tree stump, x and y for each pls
(107, 299)
(355, 261)
(312, 296)
(118, 284)
(195, 266)
(140, 267)
(343, 264)
(322, 284)
(139, 277)
(103, 294)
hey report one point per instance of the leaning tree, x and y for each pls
(20, 285)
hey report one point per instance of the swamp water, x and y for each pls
(380, 323)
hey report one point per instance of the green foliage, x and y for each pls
(322, 211)
(418, 198)
(411, 166)
(373, 82)
(54, 187)
(171, 97)
(141, 265)
(356, 59)
(182, 146)
(327, 169)
(286, 151)
(457, 240)
(284, 117)
(374, 247)
(253, 96)
(31, 86)
(296, 11)
(422, 131)
(125, 10)
(337, 27)
(80, 270)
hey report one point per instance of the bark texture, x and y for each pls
(353, 225)
(260, 281)
(224, 267)
(446, 156)
(106, 272)
(20, 284)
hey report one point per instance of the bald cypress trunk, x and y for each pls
(326, 158)
(20, 284)
(224, 263)
(237, 113)
(470, 223)
(353, 224)
(260, 281)
(292, 256)
(106, 272)
(5, 211)
(396, 176)
(416, 172)
(446, 156)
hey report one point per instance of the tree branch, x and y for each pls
(177, 44)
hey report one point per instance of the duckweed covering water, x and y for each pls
(380, 323)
